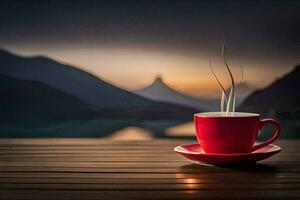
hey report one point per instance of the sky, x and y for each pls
(128, 43)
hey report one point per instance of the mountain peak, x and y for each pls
(160, 91)
(159, 83)
(158, 79)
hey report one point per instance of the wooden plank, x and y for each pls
(90, 141)
(103, 147)
(125, 163)
(89, 146)
(119, 159)
(161, 186)
(124, 170)
(58, 151)
(92, 155)
(130, 180)
(120, 156)
(148, 195)
(178, 175)
(104, 142)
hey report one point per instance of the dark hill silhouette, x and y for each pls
(30, 101)
(281, 98)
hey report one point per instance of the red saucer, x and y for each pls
(196, 153)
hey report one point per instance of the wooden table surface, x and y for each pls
(106, 169)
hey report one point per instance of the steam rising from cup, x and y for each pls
(227, 103)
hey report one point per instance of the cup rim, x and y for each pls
(229, 115)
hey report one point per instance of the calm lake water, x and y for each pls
(120, 129)
(291, 130)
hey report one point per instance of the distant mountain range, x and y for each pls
(52, 90)
(158, 90)
(69, 79)
(281, 98)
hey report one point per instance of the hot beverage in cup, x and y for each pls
(233, 132)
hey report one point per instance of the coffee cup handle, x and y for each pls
(276, 133)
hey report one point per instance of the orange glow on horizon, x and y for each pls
(132, 68)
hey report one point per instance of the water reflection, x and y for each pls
(181, 130)
(131, 133)
(121, 129)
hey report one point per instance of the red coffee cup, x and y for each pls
(218, 132)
